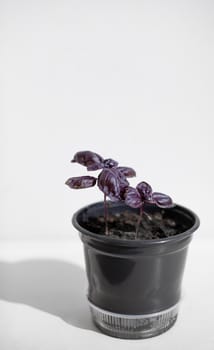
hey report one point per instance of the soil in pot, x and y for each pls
(125, 224)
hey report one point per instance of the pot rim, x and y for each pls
(137, 242)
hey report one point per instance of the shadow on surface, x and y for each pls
(53, 286)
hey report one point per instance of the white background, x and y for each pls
(131, 80)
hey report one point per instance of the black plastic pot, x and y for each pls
(134, 285)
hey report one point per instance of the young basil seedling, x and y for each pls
(112, 181)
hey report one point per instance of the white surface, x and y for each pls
(43, 304)
(131, 79)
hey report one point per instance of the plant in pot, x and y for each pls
(135, 247)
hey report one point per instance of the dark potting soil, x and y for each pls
(127, 225)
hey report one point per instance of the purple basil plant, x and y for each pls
(112, 181)
(142, 194)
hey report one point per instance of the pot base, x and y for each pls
(133, 326)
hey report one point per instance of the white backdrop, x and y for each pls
(131, 80)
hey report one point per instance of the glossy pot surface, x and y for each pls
(134, 277)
